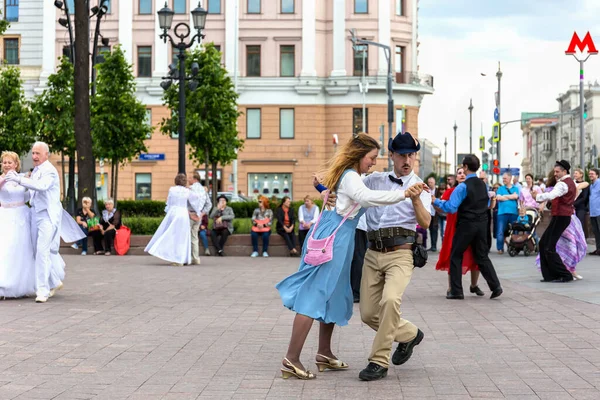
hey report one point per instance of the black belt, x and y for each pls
(387, 233)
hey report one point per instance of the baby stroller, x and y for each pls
(522, 236)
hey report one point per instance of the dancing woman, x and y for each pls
(323, 292)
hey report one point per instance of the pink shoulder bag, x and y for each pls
(320, 251)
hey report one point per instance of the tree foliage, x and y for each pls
(4, 24)
(118, 117)
(211, 111)
(55, 110)
(17, 129)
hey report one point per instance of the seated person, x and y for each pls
(222, 217)
(262, 219)
(84, 216)
(202, 234)
(110, 221)
(286, 220)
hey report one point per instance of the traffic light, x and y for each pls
(485, 161)
(496, 169)
(585, 110)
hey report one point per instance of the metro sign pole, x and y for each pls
(585, 46)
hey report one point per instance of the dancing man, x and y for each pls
(471, 200)
(563, 200)
(46, 217)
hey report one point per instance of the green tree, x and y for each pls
(118, 117)
(211, 112)
(4, 24)
(55, 112)
(16, 124)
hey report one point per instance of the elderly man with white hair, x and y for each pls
(44, 185)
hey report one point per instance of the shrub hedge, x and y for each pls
(149, 225)
(156, 209)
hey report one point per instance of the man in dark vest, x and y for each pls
(562, 197)
(471, 200)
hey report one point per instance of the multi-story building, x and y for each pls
(297, 74)
(21, 44)
(556, 136)
(539, 144)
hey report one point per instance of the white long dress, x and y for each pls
(172, 240)
(17, 265)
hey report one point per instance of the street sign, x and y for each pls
(496, 132)
(490, 141)
(492, 150)
(152, 157)
(481, 143)
(513, 171)
(460, 157)
(496, 115)
(496, 99)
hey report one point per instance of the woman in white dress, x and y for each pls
(172, 240)
(17, 265)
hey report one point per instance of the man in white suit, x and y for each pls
(46, 208)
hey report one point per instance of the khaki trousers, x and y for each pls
(384, 279)
(194, 228)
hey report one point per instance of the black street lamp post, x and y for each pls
(181, 31)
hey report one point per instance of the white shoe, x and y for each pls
(74, 246)
(254, 254)
(577, 277)
(41, 299)
(265, 254)
(54, 290)
(84, 253)
(207, 252)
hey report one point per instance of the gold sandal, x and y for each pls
(292, 370)
(331, 363)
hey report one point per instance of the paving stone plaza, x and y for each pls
(135, 328)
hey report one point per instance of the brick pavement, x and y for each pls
(134, 328)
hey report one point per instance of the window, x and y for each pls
(179, 6)
(361, 6)
(287, 57)
(11, 51)
(253, 122)
(145, 6)
(100, 53)
(398, 64)
(175, 124)
(287, 6)
(143, 186)
(174, 55)
(214, 6)
(102, 49)
(71, 5)
(218, 47)
(144, 61)
(399, 7)
(108, 5)
(253, 6)
(399, 120)
(361, 55)
(277, 184)
(66, 52)
(11, 10)
(253, 60)
(148, 121)
(286, 123)
(357, 121)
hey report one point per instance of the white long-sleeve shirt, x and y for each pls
(559, 190)
(203, 202)
(301, 216)
(352, 190)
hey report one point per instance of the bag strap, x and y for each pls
(321, 214)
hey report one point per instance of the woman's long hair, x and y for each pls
(348, 157)
(551, 181)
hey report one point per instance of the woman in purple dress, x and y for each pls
(571, 246)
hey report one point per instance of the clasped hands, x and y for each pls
(12, 176)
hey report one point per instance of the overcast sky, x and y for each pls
(461, 39)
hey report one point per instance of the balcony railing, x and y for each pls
(414, 78)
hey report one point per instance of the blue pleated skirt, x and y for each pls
(324, 293)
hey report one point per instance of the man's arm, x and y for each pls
(560, 189)
(41, 185)
(458, 196)
(422, 213)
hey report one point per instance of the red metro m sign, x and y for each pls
(585, 46)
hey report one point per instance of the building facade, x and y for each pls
(546, 140)
(297, 74)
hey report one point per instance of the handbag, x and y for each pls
(264, 222)
(419, 255)
(219, 226)
(93, 224)
(122, 240)
(320, 251)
